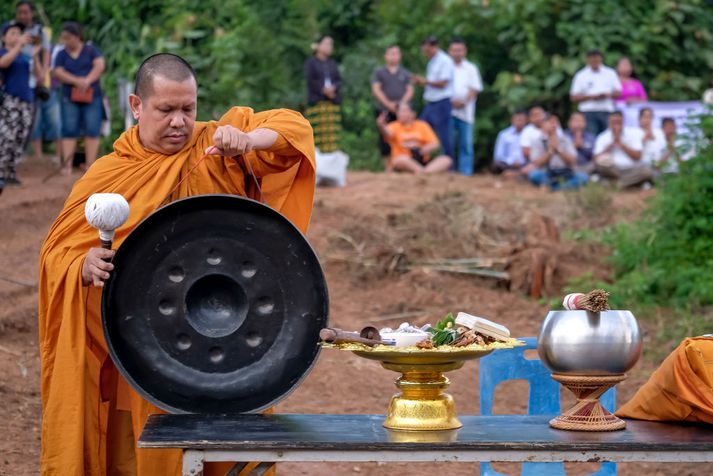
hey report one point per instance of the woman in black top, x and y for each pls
(323, 99)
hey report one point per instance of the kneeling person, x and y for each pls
(553, 159)
(413, 143)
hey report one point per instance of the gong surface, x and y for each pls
(214, 306)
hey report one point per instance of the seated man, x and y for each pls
(582, 139)
(507, 157)
(617, 154)
(413, 144)
(90, 417)
(553, 159)
(532, 132)
(674, 149)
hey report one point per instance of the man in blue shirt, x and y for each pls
(508, 158)
(437, 91)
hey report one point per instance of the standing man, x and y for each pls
(390, 85)
(437, 91)
(594, 88)
(467, 84)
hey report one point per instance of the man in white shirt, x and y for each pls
(532, 132)
(507, 157)
(553, 158)
(594, 88)
(437, 91)
(467, 84)
(617, 154)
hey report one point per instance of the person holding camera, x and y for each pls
(17, 98)
(414, 145)
(78, 67)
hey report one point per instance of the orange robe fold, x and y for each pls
(79, 383)
(681, 389)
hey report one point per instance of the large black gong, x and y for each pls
(214, 306)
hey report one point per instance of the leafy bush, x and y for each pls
(666, 257)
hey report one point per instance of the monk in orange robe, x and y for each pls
(91, 418)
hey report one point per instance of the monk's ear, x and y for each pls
(135, 105)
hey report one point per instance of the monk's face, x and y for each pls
(166, 116)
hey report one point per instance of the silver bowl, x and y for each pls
(589, 343)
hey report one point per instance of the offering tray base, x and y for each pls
(422, 403)
(588, 414)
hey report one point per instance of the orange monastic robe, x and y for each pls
(79, 382)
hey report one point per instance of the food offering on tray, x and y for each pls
(465, 331)
(422, 355)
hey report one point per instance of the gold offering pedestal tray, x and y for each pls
(422, 403)
(588, 414)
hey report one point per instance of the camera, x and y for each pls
(416, 154)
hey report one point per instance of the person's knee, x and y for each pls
(536, 177)
(401, 162)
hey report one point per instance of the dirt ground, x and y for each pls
(366, 234)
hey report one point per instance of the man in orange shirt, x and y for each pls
(91, 418)
(413, 144)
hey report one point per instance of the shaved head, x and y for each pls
(166, 65)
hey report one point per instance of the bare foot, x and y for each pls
(66, 171)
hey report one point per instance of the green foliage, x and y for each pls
(252, 52)
(665, 258)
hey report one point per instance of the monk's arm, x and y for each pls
(263, 139)
(282, 139)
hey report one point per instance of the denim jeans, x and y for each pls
(462, 134)
(438, 116)
(541, 177)
(47, 118)
(77, 118)
(597, 122)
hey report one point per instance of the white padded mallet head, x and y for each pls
(106, 212)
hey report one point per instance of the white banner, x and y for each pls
(682, 112)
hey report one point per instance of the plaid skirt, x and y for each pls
(326, 120)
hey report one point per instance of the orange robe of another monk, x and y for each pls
(80, 386)
(681, 389)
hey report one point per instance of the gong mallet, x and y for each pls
(106, 212)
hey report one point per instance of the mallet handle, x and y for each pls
(339, 336)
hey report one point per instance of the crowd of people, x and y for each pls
(594, 146)
(50, 92)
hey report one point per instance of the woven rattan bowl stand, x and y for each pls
(588, 414)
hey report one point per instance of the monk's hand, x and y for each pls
(94, 269)
(230, 141)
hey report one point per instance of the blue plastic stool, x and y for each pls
(544, 399)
